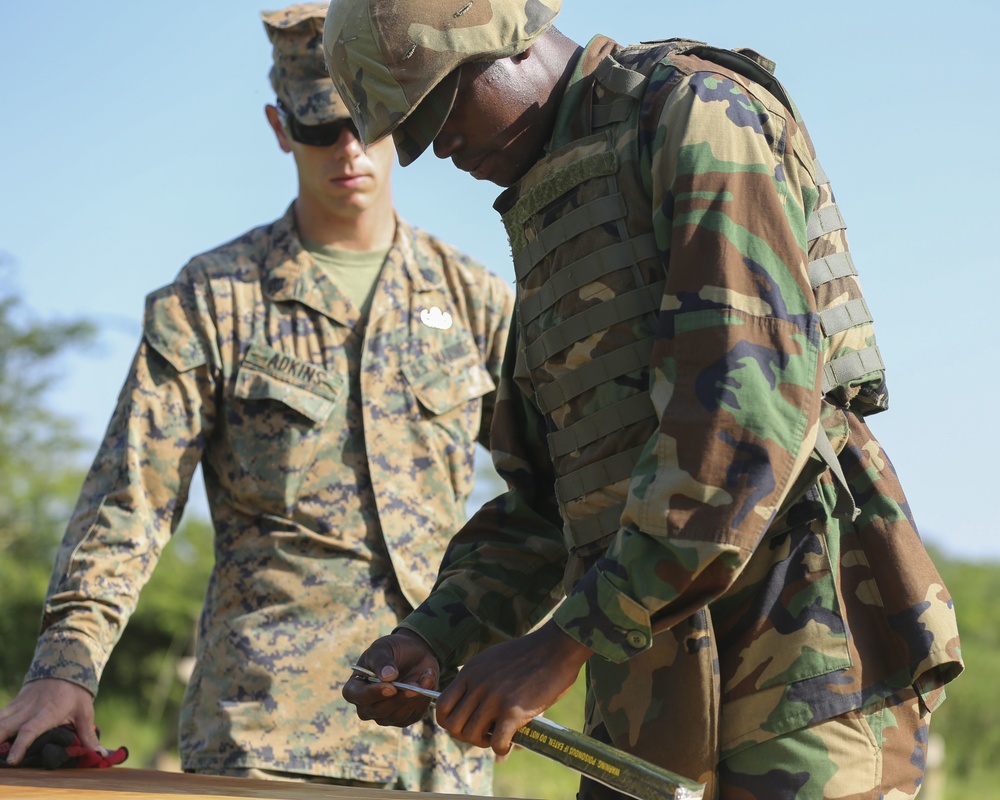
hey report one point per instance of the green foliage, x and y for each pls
(969, 720)
(24, 583)
(37, 447)
(124, 722)
(528, 775)
(38, 479)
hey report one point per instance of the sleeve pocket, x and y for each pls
(168, 329)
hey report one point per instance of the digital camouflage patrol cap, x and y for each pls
(299, 75)
(395, 61)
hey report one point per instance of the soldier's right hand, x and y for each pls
(401, 656)
(43, 705)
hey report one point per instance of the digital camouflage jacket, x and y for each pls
(668, 376)
(337, 458)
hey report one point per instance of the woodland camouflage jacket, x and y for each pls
(809, 615)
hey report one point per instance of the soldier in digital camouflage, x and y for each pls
(681, 418)
(332, 372)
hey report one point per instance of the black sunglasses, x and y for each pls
(323, 135)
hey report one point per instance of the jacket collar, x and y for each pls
(291, 274)
(574, 114)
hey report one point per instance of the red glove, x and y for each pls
(60, 748)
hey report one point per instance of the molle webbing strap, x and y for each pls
(844, 315)
(582, 532)
(587, 270)
(608, 113)
(625, 87)
(619, 79)
(845, 507)
(593, 373)
(825, 220)
(605, 422)
(743, 64)
(585, 218)
(850, 366)
(596, 318)
(598, 474)
(554, 186)
(828, 219)
(829, 268)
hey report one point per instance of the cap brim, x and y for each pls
(314, 102)
(415, 133)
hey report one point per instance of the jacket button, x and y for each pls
(636, 639)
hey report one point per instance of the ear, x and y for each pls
(524, 55)
(274, 120)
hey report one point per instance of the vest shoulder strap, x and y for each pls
(748, 63)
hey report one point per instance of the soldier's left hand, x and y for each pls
(503, 687)
(402, 656)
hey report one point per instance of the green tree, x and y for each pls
(39, 472)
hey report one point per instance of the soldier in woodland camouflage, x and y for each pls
(680, 418)
(332, 373)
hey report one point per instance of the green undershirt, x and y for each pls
(353, 273)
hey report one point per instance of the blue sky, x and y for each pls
(134, 137)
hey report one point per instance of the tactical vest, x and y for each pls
(590, 282)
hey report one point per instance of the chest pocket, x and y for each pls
(280, 409)
(448, 392)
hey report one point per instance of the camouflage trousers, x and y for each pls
(879, 753)
(421, 767)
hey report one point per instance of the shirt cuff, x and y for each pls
(67, 657)
(447, 625)
(606, 620)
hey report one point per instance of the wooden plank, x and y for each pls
(122, 783)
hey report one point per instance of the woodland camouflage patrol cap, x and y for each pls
(299, 75)
(395, 61)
